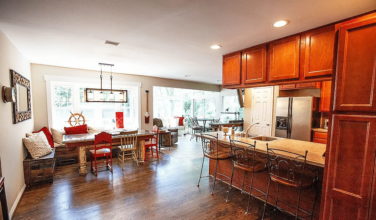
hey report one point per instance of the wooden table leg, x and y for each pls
(82, 160)
(141, 144)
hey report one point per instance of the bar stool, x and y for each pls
(288, 169)
(213, 150)
(245, 158)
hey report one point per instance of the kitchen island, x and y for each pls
(315, 164)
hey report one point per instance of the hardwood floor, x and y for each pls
(164, 189)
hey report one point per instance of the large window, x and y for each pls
(231, 104)
(170, 102)
(69, 97)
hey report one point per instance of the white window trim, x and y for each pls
(64, 79)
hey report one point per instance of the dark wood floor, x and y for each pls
(164, 189)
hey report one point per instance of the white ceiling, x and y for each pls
(163, 38)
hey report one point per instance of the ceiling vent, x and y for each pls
(111, 43)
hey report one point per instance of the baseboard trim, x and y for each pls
(15, 204)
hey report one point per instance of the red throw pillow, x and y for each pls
(48, 134)
(181, 119)
(81, 129)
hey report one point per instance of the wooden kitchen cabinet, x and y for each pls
(326, 87)
(284, 59)
(310, 85)
(231, 69)
(349, 187)
(320, 137)
(319, 49)
(350, 167)
(356, 66)
(254, 65)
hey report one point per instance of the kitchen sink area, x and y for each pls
(263, 138)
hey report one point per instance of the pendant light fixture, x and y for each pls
(106, 95)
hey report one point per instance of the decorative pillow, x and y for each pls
(92, 130)
(36, 146)
(81, 129)
(57, 135)
(48, 135)
(181, 120)
(174, 122)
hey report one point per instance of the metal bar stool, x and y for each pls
(245, 158)
(289, 169)
(213, 150)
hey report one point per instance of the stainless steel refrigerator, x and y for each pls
(296, 116)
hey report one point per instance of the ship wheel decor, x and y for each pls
(76, 119)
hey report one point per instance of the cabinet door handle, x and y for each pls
(267, 124)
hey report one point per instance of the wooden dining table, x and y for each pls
(86, 141)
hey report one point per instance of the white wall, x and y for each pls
(12, 152)
(39, 90)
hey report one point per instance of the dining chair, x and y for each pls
(196, 127)
(246, 159)
(102, 148)
(212, 149)
(153, 142)
(128, 147)
(289, 170)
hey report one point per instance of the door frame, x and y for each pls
(271, 106)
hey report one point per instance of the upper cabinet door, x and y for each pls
(254, 65)
(319, 49)
(284, 59)
(231, 69)
(356, 66)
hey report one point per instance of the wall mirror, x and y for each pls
(22, 104)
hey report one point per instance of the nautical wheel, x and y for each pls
(76, 119)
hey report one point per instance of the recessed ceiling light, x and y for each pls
(111, 43)
(281, 23)
(187, 75)
(215, 47)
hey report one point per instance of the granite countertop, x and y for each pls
(315, 150)
(320, 130)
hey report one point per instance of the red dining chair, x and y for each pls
(153, 142)
(102, 148)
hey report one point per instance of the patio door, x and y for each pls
(262, 109)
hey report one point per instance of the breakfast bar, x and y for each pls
(314, 164)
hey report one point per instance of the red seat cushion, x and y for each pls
(181, 120)
(81, 129)
(48, 134)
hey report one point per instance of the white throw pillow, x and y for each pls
(36, 146)
(43, 136)
(57, 135)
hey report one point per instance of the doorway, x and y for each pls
(262, 111)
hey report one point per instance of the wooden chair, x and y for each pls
(102, 148)
(288, 169)
(245, 158)
(213, 150)
(153, 142)
(128, 147)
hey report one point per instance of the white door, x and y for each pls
(262, 109)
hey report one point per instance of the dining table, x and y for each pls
(86, 142)
(204, 120)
